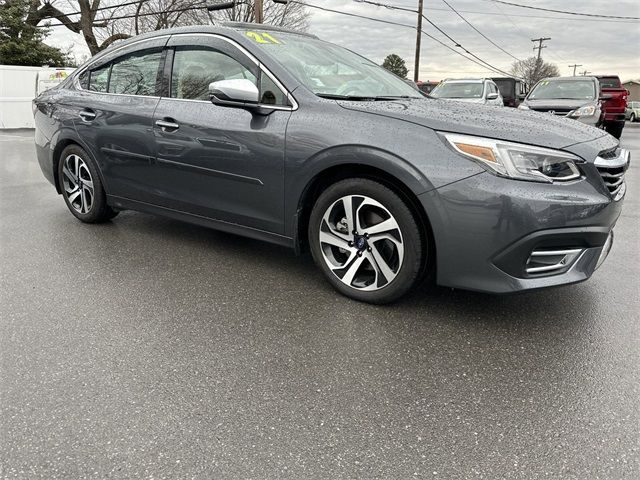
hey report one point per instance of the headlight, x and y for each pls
(522, 106)
(585, 111)
(515, 160)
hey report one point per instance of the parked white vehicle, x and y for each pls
(471, 90)
(19, 85)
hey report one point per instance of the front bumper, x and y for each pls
(486, 229)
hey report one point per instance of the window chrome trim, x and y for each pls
(294, 104)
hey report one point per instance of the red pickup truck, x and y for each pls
(614, 103)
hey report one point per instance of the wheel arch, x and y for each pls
(342, 171)
(63, 141)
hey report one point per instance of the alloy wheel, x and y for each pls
(361, 242)
(78, 183)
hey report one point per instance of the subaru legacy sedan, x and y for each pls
(282, 137)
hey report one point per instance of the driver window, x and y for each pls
(195, 69)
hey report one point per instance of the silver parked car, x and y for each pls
(572, 97)
(475, 90)
(632, 113)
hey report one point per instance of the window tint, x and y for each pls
(84, 79)
(135, 74)
(195, 69)
(99, 78)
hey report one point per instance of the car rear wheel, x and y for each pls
(81, 186)
(366, 241)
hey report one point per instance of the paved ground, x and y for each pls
(151, 348)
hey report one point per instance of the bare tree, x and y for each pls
(88, 19)
(533, 69)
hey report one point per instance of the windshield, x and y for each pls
(564, 89)
(329, 70)
(458, 90)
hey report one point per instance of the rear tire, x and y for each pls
(374, 254)
(632, 118)
(81, 186)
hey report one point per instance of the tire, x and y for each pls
(381, 262)
(81, 186)
(614, 128)
(632, 117)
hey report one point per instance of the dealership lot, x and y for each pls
(151, 348)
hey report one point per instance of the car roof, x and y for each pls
(466, 80)
(566, 79)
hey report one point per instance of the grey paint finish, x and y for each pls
(246, 172)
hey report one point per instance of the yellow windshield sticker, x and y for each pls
(263, 37)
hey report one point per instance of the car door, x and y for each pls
(114, 116)
(225, 163)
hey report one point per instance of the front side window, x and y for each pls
(564, 90)
(195, 69)
(136, 74)
(458, 90)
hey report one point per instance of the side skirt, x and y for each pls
(121, 203)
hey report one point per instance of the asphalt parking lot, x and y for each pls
(149, 348)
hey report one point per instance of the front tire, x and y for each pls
(81, 186)
(366, 241)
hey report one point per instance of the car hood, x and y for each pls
(508, 124)
(557, 103)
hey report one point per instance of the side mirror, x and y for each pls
(240, 93)
(492, 96)
(606, 96)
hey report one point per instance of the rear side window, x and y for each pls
(99, 79)
(135, 74)
(610, 82)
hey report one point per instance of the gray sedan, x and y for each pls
(280, 136)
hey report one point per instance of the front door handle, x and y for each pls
(167, 125)
(87, 114)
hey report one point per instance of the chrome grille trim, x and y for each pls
(552, 261)
(612, 165)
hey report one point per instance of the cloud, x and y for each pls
(599, 46)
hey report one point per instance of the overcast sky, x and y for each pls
(600, 45)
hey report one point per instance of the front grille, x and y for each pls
(611, 153)
(611, 165)
(613, 179)
(555, 111)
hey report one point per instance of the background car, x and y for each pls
(572, 97)
(632, 112)
(473, 90)
(614, 103)
(513, 90)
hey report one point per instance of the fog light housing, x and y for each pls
(605, 250)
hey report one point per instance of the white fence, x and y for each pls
(18, 86)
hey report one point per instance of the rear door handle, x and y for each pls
(167, 125)
(87, 114)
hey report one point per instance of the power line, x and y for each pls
(455, 42)
(479, 32)
(565, 12)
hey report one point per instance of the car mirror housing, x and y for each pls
(492, 96)
(234, 93)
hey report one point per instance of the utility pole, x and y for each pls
(258, 12)
(540, 44)
(574, 68)
(416, 70)
(584, 73)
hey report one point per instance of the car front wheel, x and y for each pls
(366, 241)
